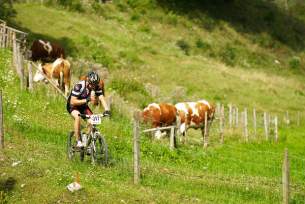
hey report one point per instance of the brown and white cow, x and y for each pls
(192, 115)
(60, 70)
(159, 115)
(46, 51)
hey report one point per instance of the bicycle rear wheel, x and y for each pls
(99, 153)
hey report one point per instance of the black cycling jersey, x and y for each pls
(82, 92)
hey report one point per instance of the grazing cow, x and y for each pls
(159, 115)
(192, 115)
(46, 51)
(60, 70)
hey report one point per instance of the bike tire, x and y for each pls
(100, 155)
(70, 151)
(70, 147)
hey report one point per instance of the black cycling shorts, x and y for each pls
(82, 109)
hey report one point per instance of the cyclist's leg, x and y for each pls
(75, 115)
(89, 125)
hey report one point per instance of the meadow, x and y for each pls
(183, 61)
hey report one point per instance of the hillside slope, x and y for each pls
(146, 50)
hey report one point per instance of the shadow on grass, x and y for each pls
(247, 16)
(8, 184)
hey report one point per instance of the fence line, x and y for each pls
(273, 167)
(1, 123)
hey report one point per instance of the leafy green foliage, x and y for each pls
(229, 55)
(184, 46)
(132, 90)
(94, 50)
(6, 10)
(295, 62)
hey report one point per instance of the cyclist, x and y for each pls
(90, 89)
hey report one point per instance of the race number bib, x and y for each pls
(95, 119)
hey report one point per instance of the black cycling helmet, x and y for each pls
(93, 78)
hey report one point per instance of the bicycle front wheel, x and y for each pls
(70, 148)
(99, 151)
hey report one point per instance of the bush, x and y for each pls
(202, 45)
(6, 10)
(99, 9)
(184, 46)
(130, 59)
(98, 52)
(295, 62)
(171, 18)
(228, 55)
(131, 90)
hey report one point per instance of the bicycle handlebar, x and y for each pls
(88, 116)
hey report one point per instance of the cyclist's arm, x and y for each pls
(103, 101)
(77, 102)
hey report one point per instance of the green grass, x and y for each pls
(216, 62)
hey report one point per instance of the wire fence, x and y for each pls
(272, 174)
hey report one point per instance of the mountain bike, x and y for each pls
(94, 143)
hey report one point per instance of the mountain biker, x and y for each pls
(90, 89)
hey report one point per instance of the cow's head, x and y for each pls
(39, 76)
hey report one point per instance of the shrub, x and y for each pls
(98, 52)
(184, 46)
(131, 90)
(228, 55)
(171, 18)
(130, 59)
(202, 45)
(295, 62)
(99, 9)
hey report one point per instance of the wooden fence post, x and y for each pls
(233, 116)
(172, 138)
(218, 107)
(254, 121)
(230, 115)
(15, 52)
(136, 147)
(206, 133)
(275, 129)
(1, 123)
(1, 35)
(30, 70)
(285, 178)
(5, 36)
(287, 118)
(266, 126)
(236, 118)
(20, 66)
(246, 125)
(221, 124)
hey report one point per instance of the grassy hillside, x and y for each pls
(153, 50)
(184, 61)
